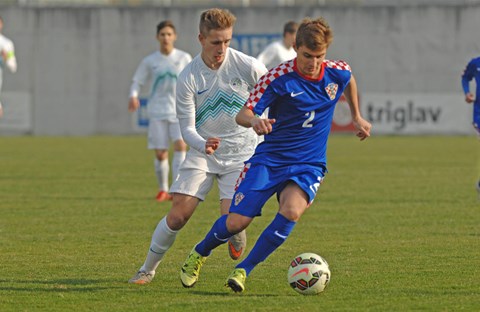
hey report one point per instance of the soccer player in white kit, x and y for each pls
(7, 52)
(162, 68)
(210, 92)
(280, 51)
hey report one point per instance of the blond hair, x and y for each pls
(314, 34)
(216, 19)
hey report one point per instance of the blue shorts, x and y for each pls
(258, 182)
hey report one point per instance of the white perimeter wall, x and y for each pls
(75, 65)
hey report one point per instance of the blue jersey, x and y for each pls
(473, 71)
(303, 109)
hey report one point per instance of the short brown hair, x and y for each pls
(164, 24)
(314, 34)
(216, 19)
(290, 28)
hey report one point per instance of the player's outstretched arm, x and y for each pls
(246, 118)
(362, 126)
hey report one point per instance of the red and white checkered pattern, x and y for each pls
(242, 175)
(280, 70)
(337, 65)
(265, 80)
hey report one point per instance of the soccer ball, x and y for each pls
(308, 274)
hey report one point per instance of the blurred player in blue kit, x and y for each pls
(162, 68)
(291, 162)
(473, 71)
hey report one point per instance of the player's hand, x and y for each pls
(133, 104)
(469, 98)
(262, 126)
(4, 55)
(363, 128)
(211, 145)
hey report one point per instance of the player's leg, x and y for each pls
(238, 242)
(295, 195)
(179, 147)
(219, 234)
(245, 206)
(164, 235)
(158, 141)
(476, 125)
(188, 190)
(162, 170)
(227, 184)
(293, 202)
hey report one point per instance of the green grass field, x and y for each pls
(397, 219)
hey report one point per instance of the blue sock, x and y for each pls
(270, 239)
(217, 236)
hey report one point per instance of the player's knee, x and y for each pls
(292, 214)
(180, 146)
(237, 223)
(161, 154)
(176, 221)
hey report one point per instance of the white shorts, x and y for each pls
(161, 132)
(197, 174)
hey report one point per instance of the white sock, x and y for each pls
(178, 158)
(162, 239)
(161, 170)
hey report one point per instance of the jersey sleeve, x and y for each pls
(468, 75)
(186, 59)
(258, 70)
(262, 96)
(185, 104)
(185, 96)
(139, 78)
(266, 55)
(342, 72)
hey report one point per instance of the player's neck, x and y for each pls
(285, 44)
(166, 50)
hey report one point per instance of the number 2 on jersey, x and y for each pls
(307, 123)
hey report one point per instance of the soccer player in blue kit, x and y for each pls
(473, 71)
(291, 161)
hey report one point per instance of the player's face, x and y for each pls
(309, 62)
(214, 46)
(166, 36)
(289, 39)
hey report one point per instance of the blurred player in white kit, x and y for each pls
(162, 68)
(280, 51)
(8, 59)
(210, 92)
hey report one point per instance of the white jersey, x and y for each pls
(162, 70)
(276, 53)
(6, 45)
(213, 98)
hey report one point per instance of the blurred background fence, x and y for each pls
(76, 58)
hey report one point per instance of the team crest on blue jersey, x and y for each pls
(238, 198)
(236, 84)
(332, 90)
